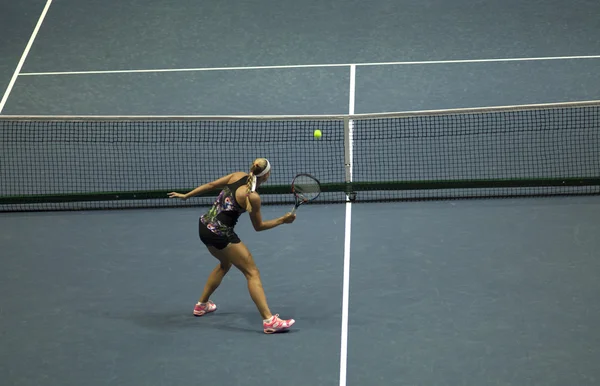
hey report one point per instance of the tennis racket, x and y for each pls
(305, 188)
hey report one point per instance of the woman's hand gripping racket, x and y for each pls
(306, 188)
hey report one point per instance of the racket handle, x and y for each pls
(294, 210)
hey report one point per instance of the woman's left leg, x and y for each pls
(215, 277)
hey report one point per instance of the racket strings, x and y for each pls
(306, 187)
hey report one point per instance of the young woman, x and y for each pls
(216, 228)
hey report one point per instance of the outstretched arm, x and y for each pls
(216, 184)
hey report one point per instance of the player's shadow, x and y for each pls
(246, 322)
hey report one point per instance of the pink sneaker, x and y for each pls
(205, 308)
(277, 325)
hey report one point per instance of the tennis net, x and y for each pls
(86, 162)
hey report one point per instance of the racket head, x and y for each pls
(305, 188)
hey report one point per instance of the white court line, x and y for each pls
(347, 234)
(24, 56)
(200, 69)
(352, 93)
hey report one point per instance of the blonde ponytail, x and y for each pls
(249, 186)
(255, 169)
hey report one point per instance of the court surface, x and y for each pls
(453, 292)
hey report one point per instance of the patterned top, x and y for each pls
(225, 212)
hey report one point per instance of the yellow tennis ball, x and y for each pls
(317, 134)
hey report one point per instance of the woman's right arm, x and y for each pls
(256, 217)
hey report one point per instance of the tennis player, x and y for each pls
(216, 228)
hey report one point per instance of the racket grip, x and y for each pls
(294, 210)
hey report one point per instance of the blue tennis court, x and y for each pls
(400, 287)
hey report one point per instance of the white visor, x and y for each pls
(267, 169)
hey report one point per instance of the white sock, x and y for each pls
(269, 320)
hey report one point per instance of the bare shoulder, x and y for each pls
(241, 193)
(235, 176)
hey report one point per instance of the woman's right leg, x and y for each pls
(239, 255)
